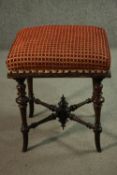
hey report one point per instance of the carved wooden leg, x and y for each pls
(30, 94)
(22, 102)
(97, 102)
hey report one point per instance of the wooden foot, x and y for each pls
(22, 102)
(97, 103)
(31, 97)
(97, 140)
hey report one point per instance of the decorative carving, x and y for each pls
(49, 106)
(75, 106)
(79, 120)
(22, 102)
(63, 111)
(31, 96)
(47, 119)
(97, 102)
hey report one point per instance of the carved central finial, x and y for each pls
(63, 111)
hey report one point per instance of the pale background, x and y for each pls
(15, 14)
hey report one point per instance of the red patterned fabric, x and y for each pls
(62, 47)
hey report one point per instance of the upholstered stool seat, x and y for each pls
(60, 47)
(59, 51)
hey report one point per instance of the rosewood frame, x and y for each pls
(62, 111)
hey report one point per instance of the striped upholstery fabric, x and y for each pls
(54, 47)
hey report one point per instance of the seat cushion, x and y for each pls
(54, 47)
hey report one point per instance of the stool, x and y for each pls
(59, 51)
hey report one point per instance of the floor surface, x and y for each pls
(52, 150)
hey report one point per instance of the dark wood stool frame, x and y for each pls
(62, 111)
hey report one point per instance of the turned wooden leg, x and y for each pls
(97, 102)
(22, 102)
(31, 97)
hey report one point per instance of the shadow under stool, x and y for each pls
(57, 51)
